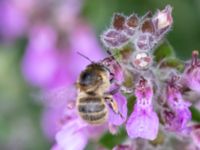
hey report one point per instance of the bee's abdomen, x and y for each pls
(92, 110)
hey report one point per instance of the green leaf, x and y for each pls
(163, 51)
(131, 102)
(172, 63)
(195, 114)
(109, 141)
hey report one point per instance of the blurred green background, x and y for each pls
(20, 112)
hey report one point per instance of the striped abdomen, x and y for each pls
(92, 109)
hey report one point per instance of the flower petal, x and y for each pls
(143, 124)
(72, 136)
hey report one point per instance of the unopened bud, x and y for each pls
(164, 18)
(142, 60)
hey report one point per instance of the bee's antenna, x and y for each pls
(85, 57)
(112, 55)
(109, 53)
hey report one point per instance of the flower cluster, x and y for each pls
(143, 33)
(160, 104)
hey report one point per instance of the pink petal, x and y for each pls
(143, 124)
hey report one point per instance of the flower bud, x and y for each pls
(131, 25)
(141, 60)
(118, 21)
(191, 75)
(114, 39)
(163, 20)
(144, 41)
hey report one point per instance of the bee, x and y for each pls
(92, 98)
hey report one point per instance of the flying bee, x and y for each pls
(92, 85)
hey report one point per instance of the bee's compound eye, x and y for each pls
(88, 78)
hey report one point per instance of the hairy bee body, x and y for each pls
(92, 84)
(93, 87)
(92, 109)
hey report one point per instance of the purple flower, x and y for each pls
(176, 120)
(42, 65)
(72, 136)
(143, 121)
(179, 116)
(195, 134)
(191, 75)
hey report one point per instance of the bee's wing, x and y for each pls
(59, 96)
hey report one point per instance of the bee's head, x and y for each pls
(93, 78)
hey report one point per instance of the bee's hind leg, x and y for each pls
(113, 104)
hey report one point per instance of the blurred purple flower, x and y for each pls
(143, 121)
(82, 39)
(45, 66)
(57, 102)
(42, 65)
(66, 13)
(72, 136)
(50, 122)
(13, 21)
